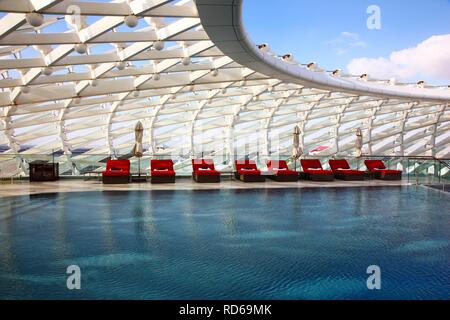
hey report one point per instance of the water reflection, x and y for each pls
(106, 228)
(254, 244)
(61, 246)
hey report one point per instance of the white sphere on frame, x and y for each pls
(47, 71)
(25, 89)
(131, 21)
(34, 19)
(186, 61)
(81, 48)
(158, 45)
(215, 72)
(156, 76)
(136, 94)
(94, 82)
(120, 65)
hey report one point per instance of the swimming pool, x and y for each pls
(227, 244)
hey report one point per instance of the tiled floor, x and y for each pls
(74, 185)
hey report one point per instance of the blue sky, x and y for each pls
(333, 33)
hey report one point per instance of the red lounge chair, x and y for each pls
(117, 171)
(162, 171)
(379, 171)
(204, 171)
(279, 171)
(313, 170)
(341, 170)
(247, 171)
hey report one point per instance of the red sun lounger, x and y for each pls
(203, 171)
(342, 171)
(117, 171)
(379, 170)
(247, 171)
(162, 171)
(313, 170)
(279, 171)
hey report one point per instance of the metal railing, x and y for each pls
(427, 170)
(422, 170)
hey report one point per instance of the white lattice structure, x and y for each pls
(79, 79)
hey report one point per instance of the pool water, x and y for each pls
(227, 244)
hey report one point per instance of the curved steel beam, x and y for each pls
(223, 22)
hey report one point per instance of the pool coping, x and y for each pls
(20, 188)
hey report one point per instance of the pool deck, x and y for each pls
(17, 188)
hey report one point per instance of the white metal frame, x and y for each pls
(89, 101)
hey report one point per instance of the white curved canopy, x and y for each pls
(76, 85)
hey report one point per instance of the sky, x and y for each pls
(412, 43)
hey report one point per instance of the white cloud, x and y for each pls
(346, 41)
(429, 59)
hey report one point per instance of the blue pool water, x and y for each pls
(227, 244)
